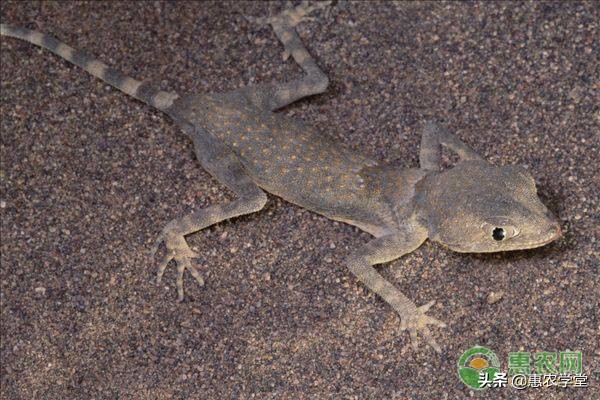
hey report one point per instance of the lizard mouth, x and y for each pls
(552, 235)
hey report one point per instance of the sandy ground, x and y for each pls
(89, 176)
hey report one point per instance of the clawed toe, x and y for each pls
(163, 266)
(430, 340)
(425, 307)
(292, 16)
(417, 323)
(178, 250)
(156, 245)
(183, 264)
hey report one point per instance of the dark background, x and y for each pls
(89, 177)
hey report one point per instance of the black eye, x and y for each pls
(498, 234)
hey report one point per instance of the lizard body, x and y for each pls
(247, 146)
(277, 152)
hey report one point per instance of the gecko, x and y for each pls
(242, 141)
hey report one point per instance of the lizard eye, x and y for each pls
(498, 234)
(500, 230)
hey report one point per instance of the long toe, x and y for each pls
(435, 321)
(425, 307)
(196, 274)
(430, 340)
(414, 339)
(180, 270)
(163, 266)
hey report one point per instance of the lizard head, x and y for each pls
(477, 207)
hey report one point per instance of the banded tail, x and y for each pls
(146, 92)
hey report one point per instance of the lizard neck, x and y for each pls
(401, 190)
(421, 204)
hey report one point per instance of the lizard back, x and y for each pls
(290, 159)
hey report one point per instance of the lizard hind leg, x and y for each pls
(220, 162)
(276, 95)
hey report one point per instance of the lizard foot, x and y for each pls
(291, 16)
(178, 250)
(417, 322)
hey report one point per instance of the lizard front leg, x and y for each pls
(223, 164)
(432, 140)
(388, 248)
